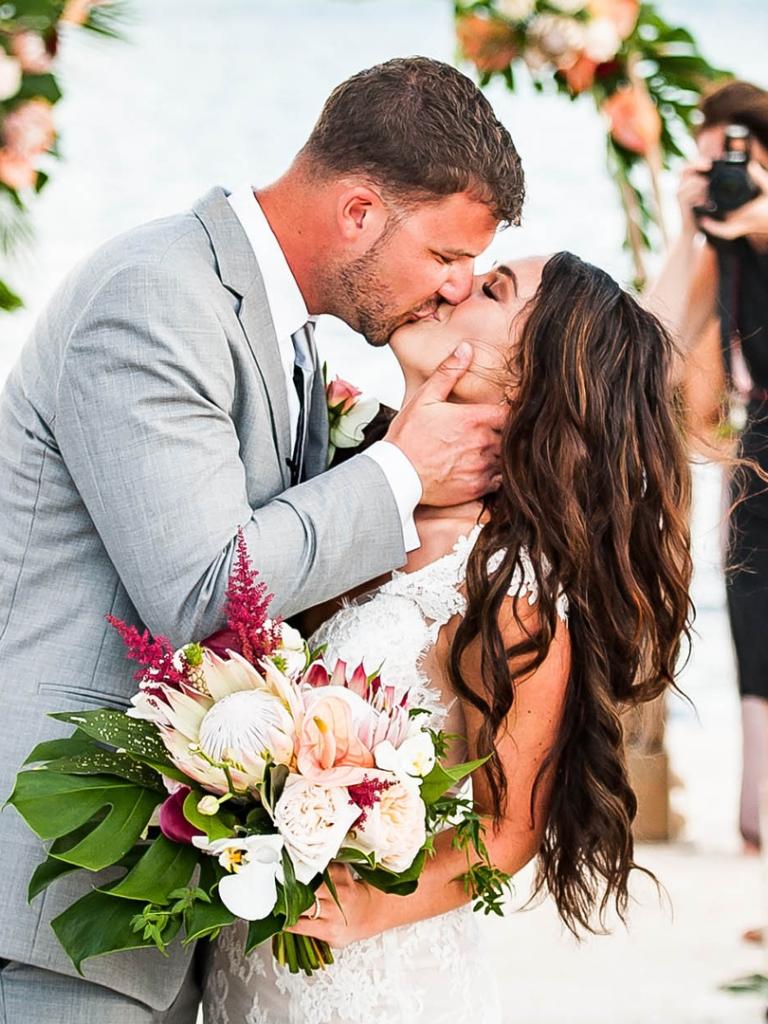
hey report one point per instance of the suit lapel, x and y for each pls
(259, 331)
(239, 271)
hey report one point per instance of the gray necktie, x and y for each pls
(304, 369)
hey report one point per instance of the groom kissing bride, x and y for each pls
(519, 532)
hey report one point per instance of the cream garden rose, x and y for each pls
(394, 828)
(313, 820)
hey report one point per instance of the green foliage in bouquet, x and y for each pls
(644, 75)
(30, 35)
(95, 797)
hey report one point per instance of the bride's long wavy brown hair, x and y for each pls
(596, 485)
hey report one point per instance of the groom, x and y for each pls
(171, 393)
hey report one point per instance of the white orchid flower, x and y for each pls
(414, 758)
(255, 867)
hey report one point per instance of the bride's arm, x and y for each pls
(530, 733)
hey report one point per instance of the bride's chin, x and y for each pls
(401, 340)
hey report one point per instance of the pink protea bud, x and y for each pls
(339, 677)
(359, 682)
(317, 674)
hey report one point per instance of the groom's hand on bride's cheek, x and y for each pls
(454, 448)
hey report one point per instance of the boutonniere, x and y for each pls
(349, 413)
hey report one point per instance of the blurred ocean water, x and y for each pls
(204, 94)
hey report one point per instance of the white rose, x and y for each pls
(348, 432)
(313, 820)
(516, 10)
(255, 867)
(10, 76)
(394, 829)
(601, 40)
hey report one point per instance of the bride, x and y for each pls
(532, 621)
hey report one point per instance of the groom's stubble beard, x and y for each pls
(357, 295)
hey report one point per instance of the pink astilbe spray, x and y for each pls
(367, 794)
(154, 654)
(247, 607)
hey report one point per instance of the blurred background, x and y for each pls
(200, 94)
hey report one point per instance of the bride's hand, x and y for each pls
(362, 916)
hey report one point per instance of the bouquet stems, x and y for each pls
(301, 952)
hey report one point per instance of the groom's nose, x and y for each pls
(458, 284)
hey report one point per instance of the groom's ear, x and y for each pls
(361, 216)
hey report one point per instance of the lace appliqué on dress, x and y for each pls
(437, 587)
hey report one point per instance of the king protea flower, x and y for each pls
(230, 727)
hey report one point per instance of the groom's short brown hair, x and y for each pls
(421, 130)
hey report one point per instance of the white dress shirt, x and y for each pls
(289, 314)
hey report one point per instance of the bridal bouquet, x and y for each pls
(243, 768)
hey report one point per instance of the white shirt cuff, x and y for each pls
(405, 485)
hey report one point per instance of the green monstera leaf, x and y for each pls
(53, 805)
(132, 736)
(98, 924)
(162, 868)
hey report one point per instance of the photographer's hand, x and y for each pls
(691, 192)
(749, 219)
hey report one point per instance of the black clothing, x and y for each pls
(743, 306)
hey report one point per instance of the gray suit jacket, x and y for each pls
(145, 421)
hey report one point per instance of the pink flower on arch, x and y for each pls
(16, 171)
(635, 122)
(32, 52)
(29, 130)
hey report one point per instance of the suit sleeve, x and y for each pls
(144, 424)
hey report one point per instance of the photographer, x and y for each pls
(715, 284)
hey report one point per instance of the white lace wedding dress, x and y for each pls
(437, 970)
